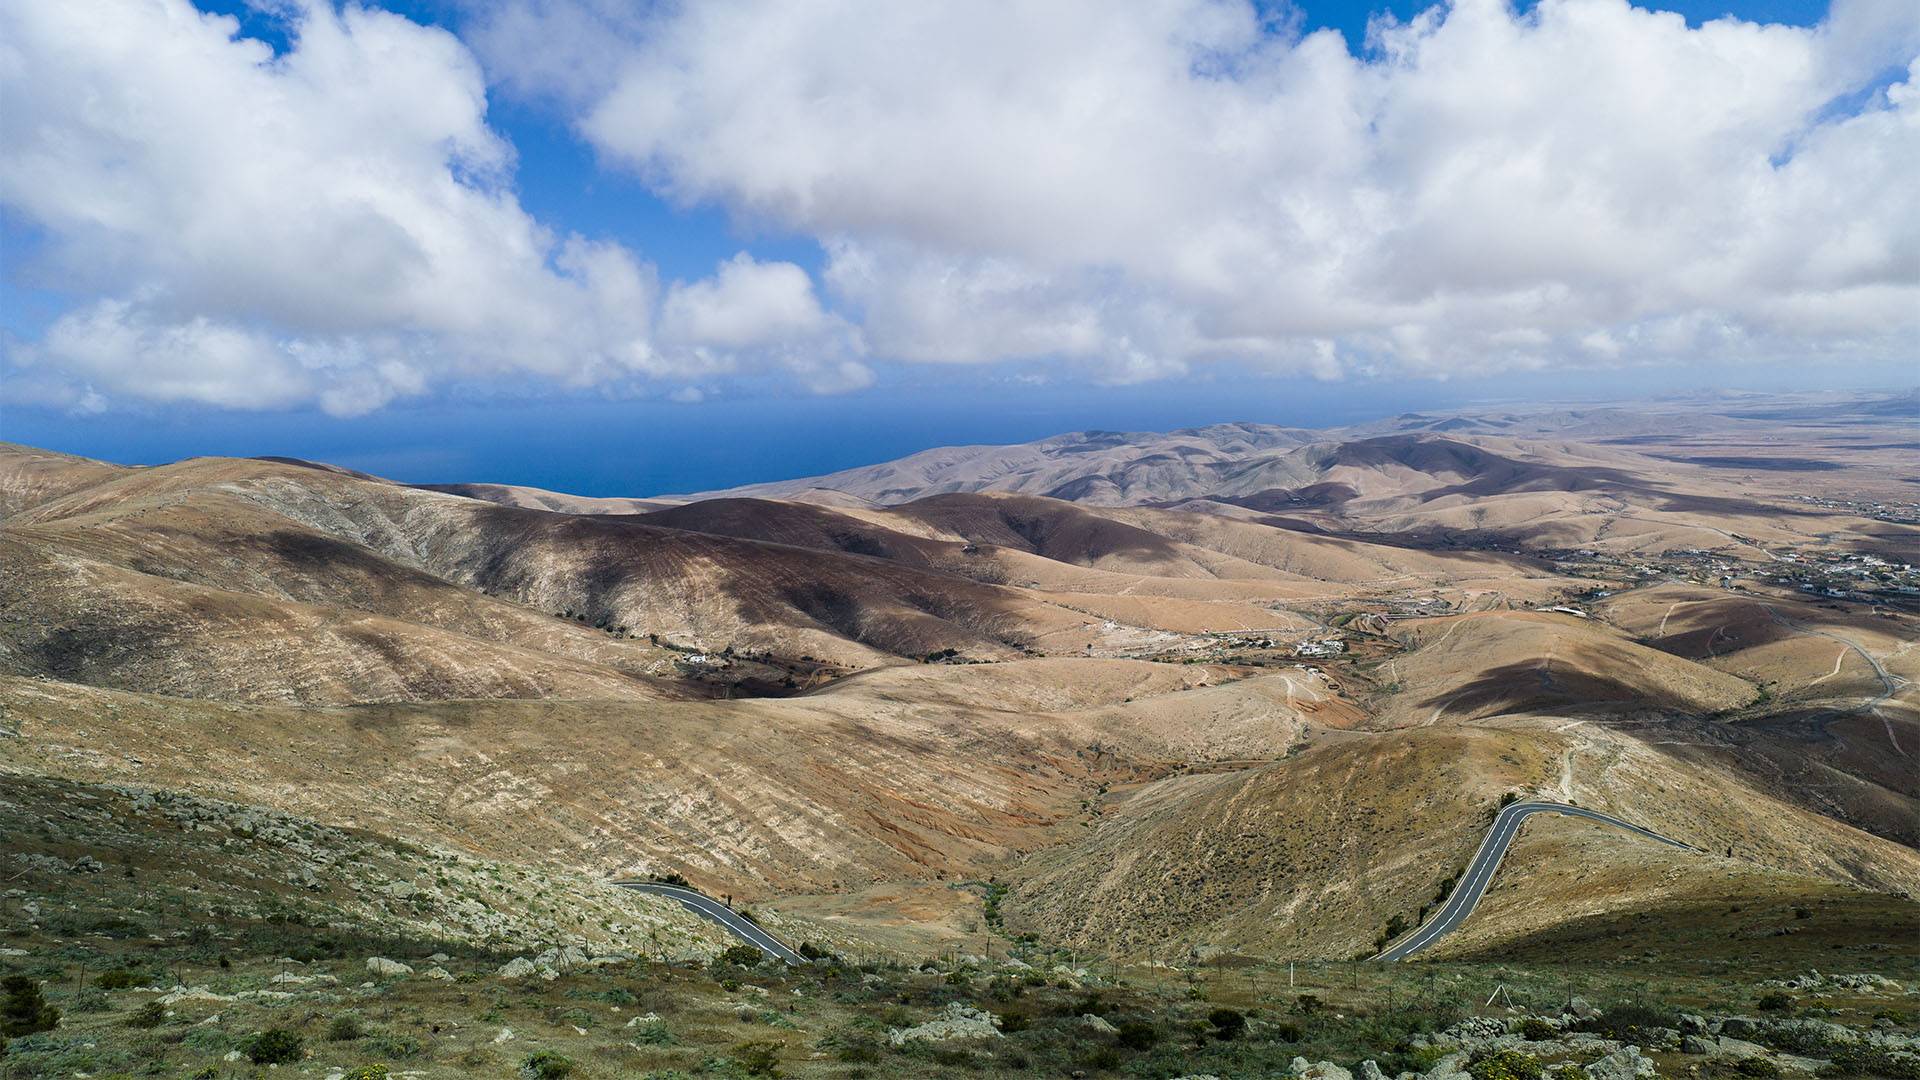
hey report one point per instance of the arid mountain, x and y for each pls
(1267, 705)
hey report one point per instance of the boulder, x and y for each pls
(958, 1021)
(1370, 1070)
(1097, 1024)
(1697, 1044)
(1741, 1026)
(564, 958)
(516, 968)
(386, 968)
(1693, 1025)
(1626, 1063)
(1741, 1048)
(1319, 1070)
(1581, 1009)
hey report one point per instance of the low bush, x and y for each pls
(275, 1046)
(1534, 1029)
(346, 1027)
(119, 979)
(546, 1065)
(757, 1058)
(24, 1009)
(743, 955)
(1504, 1065)
(397, 1047)
(1756, 1067)
(148, 1016)
(655, 1034)
(1774, 1001)
(1137, 1036)
(367, 1072)
(1227, 1023)
(1630, 1021)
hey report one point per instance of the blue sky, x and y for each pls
(635, 251)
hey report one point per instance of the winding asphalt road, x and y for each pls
(1479, 873)
(716, 912)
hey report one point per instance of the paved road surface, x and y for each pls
(1479, 873)
(716, 912)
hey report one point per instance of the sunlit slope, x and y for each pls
(1487, 664)
(1313, 854)
(883, 778)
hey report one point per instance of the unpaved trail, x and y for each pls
(1889, 683)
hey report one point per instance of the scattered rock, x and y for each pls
(506, 1035)
(1319, 1070)
(1097, 1024)
(1370, 1070)
(1740, 1048)
(564, 958)
(1580, 1008)
(438, 972)
(516, 968)
(1626, 1063)
(1740, 1025)
(1695, 1044)
(958, 1021)
(386, 968)
(189, 993)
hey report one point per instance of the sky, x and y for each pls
(621, 248)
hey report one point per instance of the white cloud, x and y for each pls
(1109, 194)
(744, 305)
(1132, 190)
(332, 226)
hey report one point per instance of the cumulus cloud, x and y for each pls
(1133, 190)
(331, 226)
(1118, 193)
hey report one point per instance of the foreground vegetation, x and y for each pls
(145, 934)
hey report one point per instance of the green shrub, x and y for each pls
(91, 1001)
(346, 1027)
(1288, 1033)
(398, 1047)
(119, 979)
(1774, 1001)
(743, 955)
(1756, 1066)
(851, 1045)
(23, 1009)
(546, 1065)
(367, 1072)
(1534, 1029)
(275, 1046)
(1137, 1036)
(1090, 1005)
(1504, 1065)
(653, 1035)
(1227, 1023)
(1307, 1004)
(1895, 1015)
(757, 1058)
(1630, 1021)
(149, 1015)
